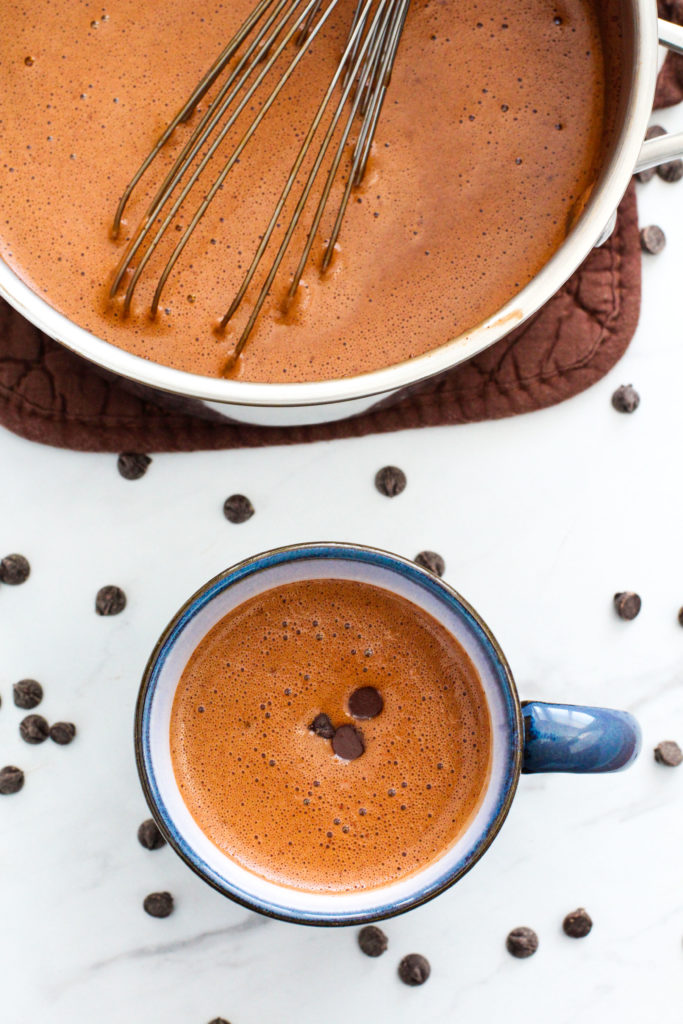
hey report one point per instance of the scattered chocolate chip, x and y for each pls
(414, 969)
(626, 398)
(158, 904)
(322, 726)
(132, 465)
(237, 508)
(347, 743)
(14, 569)
(219, 1020)
(11, 780)
(34, 729)
(577, 924)
(627, 604)
(669, 753)
(430, 560)
(372, 940)
(522, 942)
(680, 616)
(653, 132)
(671, 171)
(62, 732)
(390, 481)
(110, 601)
(27, 694)
(365, 702)
(149, 835)
(652, 239)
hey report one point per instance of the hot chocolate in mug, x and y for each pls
(518, 737)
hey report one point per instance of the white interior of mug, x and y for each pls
(216, 601)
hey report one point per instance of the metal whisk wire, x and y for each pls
(201, 134)
(364, 70)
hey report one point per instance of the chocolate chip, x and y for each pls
(62, 732)
(365, 702)
(372, 940)
(347, 743)
(522, 942)
(414, 969)
(158, 904)
(627, 604)
(322, 726)
(110, 601)
(680, 616)
(430, 560)
(653, 132)
(237, 508)
(27, 694)
(577, 924)
(219, 1020)
(132, 465)
(11, 780)
(149, 835)
(652, 239)
(626, 398)
(669, 753)
(14, 569)
(34, 729)
(390, 481)
(671, 171)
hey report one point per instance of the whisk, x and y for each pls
(361, 80)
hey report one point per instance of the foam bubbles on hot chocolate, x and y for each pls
(273, 794)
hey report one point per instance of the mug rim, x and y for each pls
(330, 550)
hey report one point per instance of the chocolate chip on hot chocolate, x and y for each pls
(627, 604)
(652, 239)
(414, 969)
(626, 398)
(432, 561)
(27, 694)
(149, 835)
(158, 904)
(365, 702)
(669, 753)
(11, 780)
(14, 569)
(577, 924)
(132, 465)
(390, 481)
(522, 942)
(110, 600)
(322, 726)
(62, 733)
(237, 508)
(372, 940)
(347, 743)
(34, 729)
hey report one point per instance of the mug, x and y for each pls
(526, 737)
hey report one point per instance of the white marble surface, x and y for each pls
(540, 519)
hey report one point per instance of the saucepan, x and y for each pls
(631, 32)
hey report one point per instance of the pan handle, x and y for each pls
(666, 147)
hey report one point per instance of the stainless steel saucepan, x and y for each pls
(631, 32)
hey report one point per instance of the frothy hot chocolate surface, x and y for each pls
(271, 792)
(488, 141)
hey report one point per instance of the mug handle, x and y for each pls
(576, 738)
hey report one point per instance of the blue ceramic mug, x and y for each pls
(529, 737)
